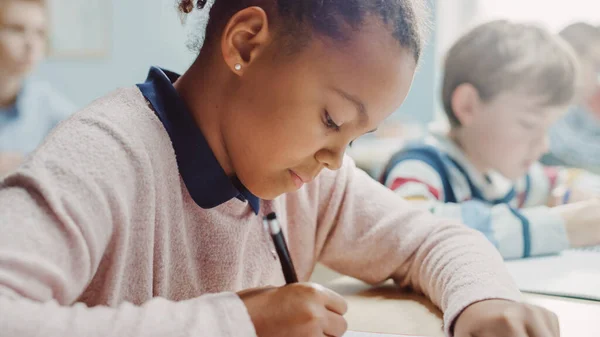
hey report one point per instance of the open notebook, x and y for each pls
(573, 273)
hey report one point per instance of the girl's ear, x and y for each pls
(244, 38)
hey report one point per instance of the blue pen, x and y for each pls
(566, 196)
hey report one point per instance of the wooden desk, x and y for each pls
(387, 310)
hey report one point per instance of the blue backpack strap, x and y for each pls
(429, 155)
(440, 163)
(476, 192)
(507, 198)
(527, 188)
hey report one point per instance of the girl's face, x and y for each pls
(291, 116)
(23, 36)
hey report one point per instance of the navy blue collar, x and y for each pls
(204, 178)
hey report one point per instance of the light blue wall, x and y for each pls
(420, 103)
(144, 33)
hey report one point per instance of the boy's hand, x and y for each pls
(580, 186)
(582, 222)
(575, 195)
(500, 318)
(296, 310)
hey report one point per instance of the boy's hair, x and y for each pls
(583, 38)
(499, 56)
(299, 19)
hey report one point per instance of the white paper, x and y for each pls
(573, 273)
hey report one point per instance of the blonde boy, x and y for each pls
(504, 85)
(575, 139)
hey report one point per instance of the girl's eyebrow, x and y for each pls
(357, 102)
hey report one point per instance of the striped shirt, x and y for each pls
(513, 216)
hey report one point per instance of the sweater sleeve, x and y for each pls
(375, 235)
(58, 213)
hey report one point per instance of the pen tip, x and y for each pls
(271, 216)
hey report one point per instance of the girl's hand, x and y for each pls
(296, 310)
(501, 318)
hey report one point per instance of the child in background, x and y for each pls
(28, 109)
(142, 214)
(504, 85)
(575, 139)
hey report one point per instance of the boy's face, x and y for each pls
(23, 36)
(593, 103)
(293, 116)
(509, 133)
(590, 74)
(591, 79)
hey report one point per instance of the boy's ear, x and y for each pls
(466, 103)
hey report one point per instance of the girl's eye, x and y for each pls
(330, 123)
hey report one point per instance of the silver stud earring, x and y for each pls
(237, 67)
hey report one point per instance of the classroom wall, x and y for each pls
(420, 103)
(453, 19)
(144, 33)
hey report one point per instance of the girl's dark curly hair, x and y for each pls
(299, 19)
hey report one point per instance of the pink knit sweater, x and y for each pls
(99, 237)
